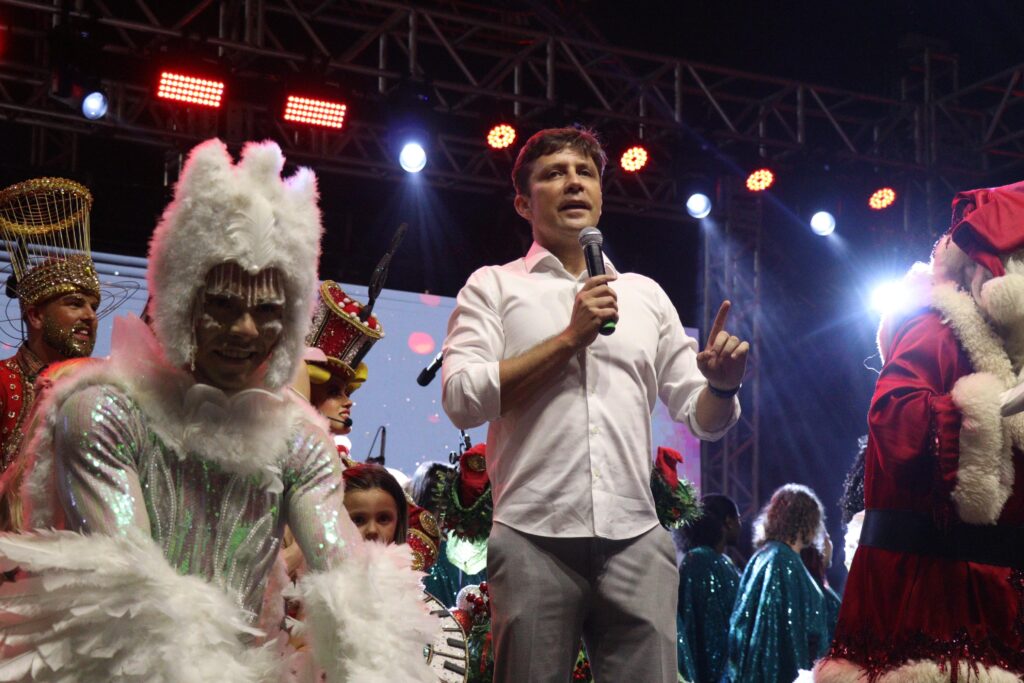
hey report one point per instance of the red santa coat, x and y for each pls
(937, 447)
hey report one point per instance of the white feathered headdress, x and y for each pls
(245, 213)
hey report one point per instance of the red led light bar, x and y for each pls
(314, 111)
(184, 88)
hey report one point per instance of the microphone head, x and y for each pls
(590, 236)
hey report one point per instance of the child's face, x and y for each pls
(374, 513)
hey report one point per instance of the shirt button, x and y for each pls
(594, 430)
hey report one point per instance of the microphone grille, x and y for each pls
(590, 236)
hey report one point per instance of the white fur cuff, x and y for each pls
(1003, 298)
(105, 608)
(985, 472)
(367, 618)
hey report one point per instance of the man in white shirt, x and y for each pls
(576, 547)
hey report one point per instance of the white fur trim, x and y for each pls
(253, 445)
(367, 619)
(979, 340)
(200, 229)
(1003, 298)
(984, 478)
(105, 608)
(920, 671)
(851, 539)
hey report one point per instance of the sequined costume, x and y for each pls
(778, 622)
(17, 393)
(159, 502)
(940, 457)
(707, 590)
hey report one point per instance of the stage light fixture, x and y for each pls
(501, 136)
(823, 223)
(190, 89)
(413, 157)
(315, 111)
(94, 105)
(698, 205)
(882, 198)
(633, 159)
(760, 180)
(890, 297)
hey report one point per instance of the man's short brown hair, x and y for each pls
(549, 141)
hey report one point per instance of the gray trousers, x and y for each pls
(546, 593)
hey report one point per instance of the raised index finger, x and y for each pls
(719, 324)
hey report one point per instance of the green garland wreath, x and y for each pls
(472, 523)
(676, 508)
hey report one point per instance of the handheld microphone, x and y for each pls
(591, 240)
(428, 373)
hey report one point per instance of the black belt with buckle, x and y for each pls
(903, 531)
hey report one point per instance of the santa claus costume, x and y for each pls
(936, 588)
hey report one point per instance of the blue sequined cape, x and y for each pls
(708, 582)
(778, 624)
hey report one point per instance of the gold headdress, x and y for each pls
(45, 224)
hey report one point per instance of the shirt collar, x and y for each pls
(538, 255)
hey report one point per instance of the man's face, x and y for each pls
(564, 197)
(67, 323)
(332, 401)
(238, 324)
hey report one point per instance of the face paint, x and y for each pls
(239, 320)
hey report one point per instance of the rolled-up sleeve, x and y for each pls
(679, 380)
(471, 389)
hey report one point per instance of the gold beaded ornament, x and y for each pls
(45, 225)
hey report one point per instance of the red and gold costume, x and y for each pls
(17, 394)
(44, 223)
(936, 588)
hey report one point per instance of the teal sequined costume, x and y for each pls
(707, 590)
(778, 625)
(832, 604)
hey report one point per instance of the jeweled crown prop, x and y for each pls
(339, 330)
(45, 226)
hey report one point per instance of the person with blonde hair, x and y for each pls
(778, 624)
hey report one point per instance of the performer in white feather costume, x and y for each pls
(170, 470)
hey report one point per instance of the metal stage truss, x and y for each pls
(471, 61)
(732, 270)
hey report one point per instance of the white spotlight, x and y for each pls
(889, 297)
(698, 205)
(413, 157)
(823, 223)
(94, 105)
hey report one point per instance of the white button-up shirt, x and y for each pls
(576, 460)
